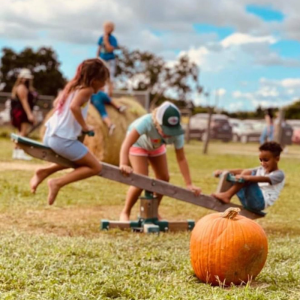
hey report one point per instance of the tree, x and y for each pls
(146, 71)
(43, 64)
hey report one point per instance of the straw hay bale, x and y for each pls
(107, 148)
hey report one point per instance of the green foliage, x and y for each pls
(42, 63)
(150, 72)
(293, 111)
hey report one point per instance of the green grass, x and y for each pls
(59, 253)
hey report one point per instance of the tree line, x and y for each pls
(138, 70)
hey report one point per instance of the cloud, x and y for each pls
(290, 83)
(271, 93)
(240, 39)
(131, 16)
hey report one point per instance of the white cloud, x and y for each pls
(221, 92)
(272, 93)
(240, 39)
(291, 83)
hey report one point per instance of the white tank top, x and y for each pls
(63, 123)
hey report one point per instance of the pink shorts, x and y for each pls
(137, 151)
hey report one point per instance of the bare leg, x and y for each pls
(159, 165)
(226, 196)
(42, 173)
(119, 108)
(87, 166)
(110, 88)
(24, 129)
(140, 166)
(114, 104)
(107, 121)
(22, 132)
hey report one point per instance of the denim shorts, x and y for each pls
(251, 197)
(71, 149)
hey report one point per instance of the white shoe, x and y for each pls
(23, 155)
(15, 154)
(111, 129)
(122, 108)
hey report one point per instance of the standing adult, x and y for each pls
(107, 43)
(22, 102)
(268, 131)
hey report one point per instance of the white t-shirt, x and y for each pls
(63, 123)
(270, 191)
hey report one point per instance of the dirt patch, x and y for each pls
(6, 166)
(77, 221)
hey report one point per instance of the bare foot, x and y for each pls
(37, 178)
(53, 191)
(221, 196)
(124, 217)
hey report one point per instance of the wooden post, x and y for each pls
(206, 142)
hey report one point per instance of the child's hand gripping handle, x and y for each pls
(89, 132)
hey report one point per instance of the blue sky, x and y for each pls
(248, 51)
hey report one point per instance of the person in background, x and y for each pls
(22, 103)
(99, 100)
(268, 132)
(107, 43)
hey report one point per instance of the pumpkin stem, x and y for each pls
(230, 212)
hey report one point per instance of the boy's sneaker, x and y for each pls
(122, 108)
(111, 129)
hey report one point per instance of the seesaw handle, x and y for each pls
(89, 133)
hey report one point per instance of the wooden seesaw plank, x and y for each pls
(43, 152)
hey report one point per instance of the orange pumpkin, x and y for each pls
(227, 248)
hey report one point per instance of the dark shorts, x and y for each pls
(18, 117)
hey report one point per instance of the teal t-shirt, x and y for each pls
(150, 139)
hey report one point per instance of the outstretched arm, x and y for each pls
(251, 178)
(130, 139)
(232, 171)
(98, 50)
(184, 169)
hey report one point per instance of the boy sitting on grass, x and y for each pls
(262, 185)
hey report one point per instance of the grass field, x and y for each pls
(59, 252)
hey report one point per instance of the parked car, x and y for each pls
(246, 131)
(220, 128)
(296, 135)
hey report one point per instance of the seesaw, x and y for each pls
(148, 220)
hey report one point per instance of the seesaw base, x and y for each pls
(148, 220)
